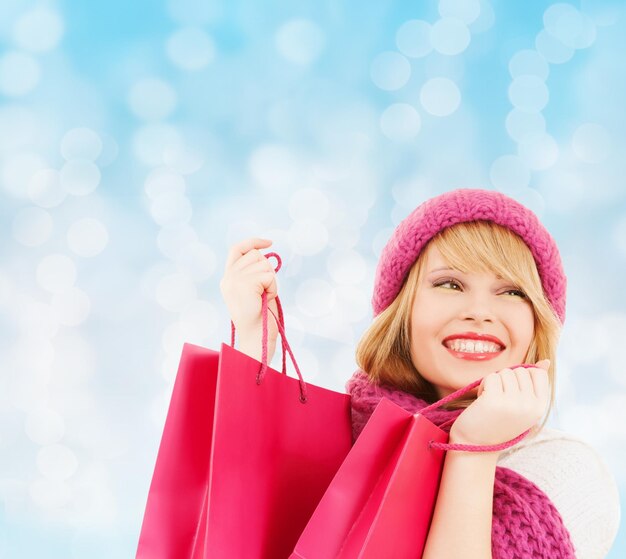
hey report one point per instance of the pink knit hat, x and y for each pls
(459, 206)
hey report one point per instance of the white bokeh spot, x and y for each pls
(315, 297)
(390, 71)
(591, 143)
(400, 122)
(81, 143)
(413, 38)
(440, 96)
(45, 189)
(300, 41)
(520, 124)
(32, 226)
(19, 73)
(509, 172)
(152, 99)
(450, 36)
(190, 48)
(80, 177)
(39, 29)
(87, 237)
(56, 273)
(529, 93)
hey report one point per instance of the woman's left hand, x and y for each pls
(509, 402)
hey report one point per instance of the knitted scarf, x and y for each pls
(525, 522)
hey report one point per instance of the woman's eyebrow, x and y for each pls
(441, 268)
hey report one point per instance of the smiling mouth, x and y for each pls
(473, 350)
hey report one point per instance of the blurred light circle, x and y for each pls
(80, 177)
(307, 203)
(465, 10)
(152, 99)
(190, 48)
(81, 143)
(509, 172)
(56, 273)
(56, 462)
(413, 38)
(150, 142)
(529, 62)
(591, 143)
(182, 159)
(163, 180)
(390, 71)
(32, 226)
(18, 170)
(569, 26)
(87, 237)
(71, 307)
(346, 267)
(440, 97)
(200, 317)
(171, 207)
(19, 125)
(172, 239)
(353, 303)
(450, 36)
(315, 297)
(19, 73)
(36, 320)
(74, 363)
(485, 19)
(49, 494)
(39, 29)
(308, 236)
(44, 426)
(539, 151)
(601, 14)
(400, 122)
(194, 12)
(175, 291)
(563, 191)
(530, 198)
(198, 260)
(520, 124)
(300, 41)
(274, 166)
(553, 50)
(45, 190)
(110, 151)
(529, 93)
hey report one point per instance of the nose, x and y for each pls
(477, 308)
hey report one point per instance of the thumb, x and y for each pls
(543, 364)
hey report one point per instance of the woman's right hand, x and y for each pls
(247, 274)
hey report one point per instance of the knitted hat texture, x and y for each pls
(459, 206)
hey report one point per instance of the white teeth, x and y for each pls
(470, 346)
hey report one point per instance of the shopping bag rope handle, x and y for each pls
(470, 447)
(280, 322)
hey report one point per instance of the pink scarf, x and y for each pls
(525, 522)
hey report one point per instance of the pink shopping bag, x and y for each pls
(245, 456)
(381, 501)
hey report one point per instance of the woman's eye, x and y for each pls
(448, 282)
(517, 293)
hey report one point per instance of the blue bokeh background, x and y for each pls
(139, 140)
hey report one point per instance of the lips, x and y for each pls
(473, 356)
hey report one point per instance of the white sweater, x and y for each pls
(576, 480)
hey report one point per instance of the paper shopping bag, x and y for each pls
(381, 501)
(242, 464)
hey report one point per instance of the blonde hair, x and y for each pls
(384, 351)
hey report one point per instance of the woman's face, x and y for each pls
(465, 326)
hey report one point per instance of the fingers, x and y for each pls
(244, 247)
